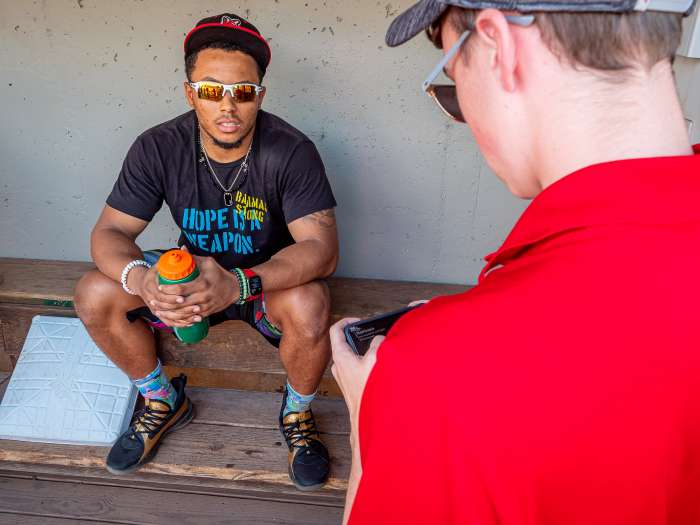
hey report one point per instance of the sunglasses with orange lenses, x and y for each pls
(215, 91)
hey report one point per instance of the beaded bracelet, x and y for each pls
(243, 289)
(127, 269)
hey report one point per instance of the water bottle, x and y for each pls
(177, 267)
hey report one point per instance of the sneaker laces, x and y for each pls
(297, 433)
(147, 420)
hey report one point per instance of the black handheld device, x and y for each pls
(359, 334)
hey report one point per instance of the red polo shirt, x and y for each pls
(565, 387)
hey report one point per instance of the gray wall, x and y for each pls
(82, 78)
(688, 82)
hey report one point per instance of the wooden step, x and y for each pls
(29, 500)
(233, 449)
(232, 356)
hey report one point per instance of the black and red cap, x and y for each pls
(230, 28)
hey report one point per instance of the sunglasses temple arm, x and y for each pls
(521, 20)
(441, 65)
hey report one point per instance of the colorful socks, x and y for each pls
(297, 402)
(157, 386)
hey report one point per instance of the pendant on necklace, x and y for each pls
(228, 199)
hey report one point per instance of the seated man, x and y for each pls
(563, 388)
(250, 196)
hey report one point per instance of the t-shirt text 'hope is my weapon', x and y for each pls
(225, 229)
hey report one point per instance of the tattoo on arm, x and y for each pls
(325, 219)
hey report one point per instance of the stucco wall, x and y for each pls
(688, 82)
(82, 78)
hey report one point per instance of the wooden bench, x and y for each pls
(232, 356)
(228, 466)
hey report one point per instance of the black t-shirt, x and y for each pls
(285, 180)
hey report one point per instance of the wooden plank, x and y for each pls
(170, 482)
(232, 356)
(261, 410)
(6, 364)
(235, 356)
(4, 379)
(366, 297)
(33, 280)
(238, 408)
(232, 345)
(51, 283)
(246, 458)
(233, 439)
(24, 519)
(218, 408)
(147, 506)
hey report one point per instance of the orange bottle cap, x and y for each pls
(175, 265)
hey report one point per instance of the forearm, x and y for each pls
(297, 264)
(355, 476)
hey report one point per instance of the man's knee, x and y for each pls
(307, 310)
(95, 296)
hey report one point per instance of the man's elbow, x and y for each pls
(331, 266)
(102, 235)
(94, 236)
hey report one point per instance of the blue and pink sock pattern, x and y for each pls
(157, 386)
(297, 402)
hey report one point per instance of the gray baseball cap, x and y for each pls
(419, 17)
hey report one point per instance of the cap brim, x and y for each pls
(419, 16)
(414, 20)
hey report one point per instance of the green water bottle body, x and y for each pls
(198, 331)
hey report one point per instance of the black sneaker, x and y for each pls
(309, 463)
(148, 427)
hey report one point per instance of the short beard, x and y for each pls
(230, 145)
(227, 145)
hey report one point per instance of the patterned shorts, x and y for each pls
(252, 313)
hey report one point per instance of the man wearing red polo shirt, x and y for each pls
(565, 387)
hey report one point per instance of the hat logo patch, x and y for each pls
(230, 21)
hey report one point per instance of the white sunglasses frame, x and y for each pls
(228, 88)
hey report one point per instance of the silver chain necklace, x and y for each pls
(228, 197)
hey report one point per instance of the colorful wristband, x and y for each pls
(255, 289)
(249, 285)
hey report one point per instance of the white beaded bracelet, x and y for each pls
(127, 269)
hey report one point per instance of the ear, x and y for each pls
(261, 97)
(189, 94)
(497, 34)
